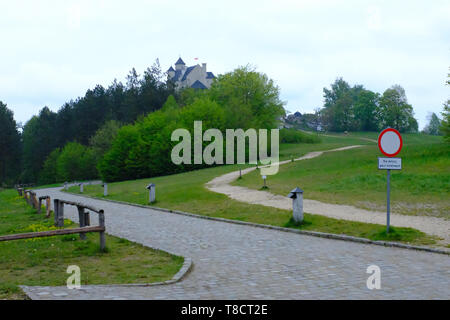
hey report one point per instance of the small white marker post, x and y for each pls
(151, 192)
(105, 189)
(81, 187)
(264, 178)
(390, 143)
(297, 204)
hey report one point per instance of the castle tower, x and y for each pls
(180, 65)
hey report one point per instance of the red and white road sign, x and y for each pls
(390, 142)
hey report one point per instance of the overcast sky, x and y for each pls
(53, 51)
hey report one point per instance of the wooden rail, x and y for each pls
(58, 208)
(50, 233)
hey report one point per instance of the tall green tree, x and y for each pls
(433, 126)
(253, 100)
(365, 110)
(395, 111)
(10, 147)
(39, 139)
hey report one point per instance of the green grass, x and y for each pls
(44, 261)
(422, 187)
(187, 192)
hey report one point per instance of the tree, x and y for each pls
(366, 110)
(101, 141)
(39, 139)
(434, 123)
(445, 124)
(10, 147)
(395, 112)
(339, 103)
(49, 173)
(76, 162)
(252, 99)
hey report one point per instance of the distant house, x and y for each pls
(190, 77)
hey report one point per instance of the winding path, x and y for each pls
(222, 184)
(232, 261)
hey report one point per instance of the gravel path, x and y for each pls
(431, 225)
(233, 261)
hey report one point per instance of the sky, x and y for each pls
(53, 51)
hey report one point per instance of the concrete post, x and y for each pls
(297, 204)
(81, 187)
(105, 189)
(151, 192)
(65, 186)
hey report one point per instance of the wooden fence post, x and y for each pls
(82, 221)
(61, 214)
(56, 210)
(40, 205)
(101, 222)
(35, 202)
(47, 207)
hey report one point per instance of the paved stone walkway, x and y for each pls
(243, 262)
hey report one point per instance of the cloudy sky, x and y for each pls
(53, 51)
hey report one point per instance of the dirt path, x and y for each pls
(431, 225)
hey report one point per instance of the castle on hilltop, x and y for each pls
(190, 77)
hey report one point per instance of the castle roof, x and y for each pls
(180, 61)
(198, 85)
(188, 70)
(210, 75)
(177, 75)
(170, 69)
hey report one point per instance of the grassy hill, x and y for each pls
(187, 192)
(422, 187)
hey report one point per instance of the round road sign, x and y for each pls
(390, 142)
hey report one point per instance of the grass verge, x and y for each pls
(44, 261)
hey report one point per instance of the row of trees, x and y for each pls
(348, 108)
(78, 120)
(10, 146)
(243, 99)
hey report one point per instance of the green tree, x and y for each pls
(252, 99)
(39, 139)
(433, 126)
(76, 162)
(395, 112)
(445, 123)
(49, 173)
(365, 110)
(10, 147)
(101, 141)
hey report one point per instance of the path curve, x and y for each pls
(222, 184)
(232, 261)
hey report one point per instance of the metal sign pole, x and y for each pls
(388, 199)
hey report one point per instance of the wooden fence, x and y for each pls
(83, 214)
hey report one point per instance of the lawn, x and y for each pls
(44, 261)
(422, 187)
(187, 192)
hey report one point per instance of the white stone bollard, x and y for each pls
(65, 186)
(151, 193)
(297, 204)
(81, 188)
(105, 189)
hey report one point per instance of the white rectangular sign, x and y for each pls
(390, 163)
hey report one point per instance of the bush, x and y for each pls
(295, 136)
